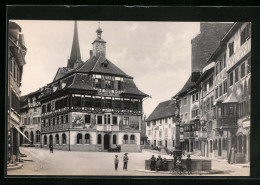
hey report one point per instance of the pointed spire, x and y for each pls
(75, 50)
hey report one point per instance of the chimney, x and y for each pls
(90, 53)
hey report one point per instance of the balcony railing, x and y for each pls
(107, 128)
(55, 127)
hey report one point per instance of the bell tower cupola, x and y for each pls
(99, 45)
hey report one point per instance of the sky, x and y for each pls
(156, 54)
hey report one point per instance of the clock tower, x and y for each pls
(99, 45)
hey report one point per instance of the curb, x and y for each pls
(19, 166)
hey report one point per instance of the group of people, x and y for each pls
(125, 160)
(158, 164)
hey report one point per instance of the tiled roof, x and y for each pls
(81, 81)
(163, 110)
(130, 88)
(187, 86)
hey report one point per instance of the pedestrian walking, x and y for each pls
(125, 159)
(153, 161)
(188, 164)
(51, 148)
(233, 155)
(116, 162)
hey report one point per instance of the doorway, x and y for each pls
(106, 141)
(166, 143)
(32, 137)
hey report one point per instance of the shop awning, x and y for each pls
(231, 99)
(21, 133)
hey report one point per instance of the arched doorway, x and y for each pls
(50, 140)
(106, 141)
(32, 137)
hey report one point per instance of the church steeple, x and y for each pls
(75, 57)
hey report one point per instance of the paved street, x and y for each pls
(41, 162)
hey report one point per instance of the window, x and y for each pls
(225, 87)
(38, 136)
(53, 121)
(99, 139)
(245, 34)
(166, 120)
(197, 96)
(216, 68)
(67, 118)
(220, 90)
(35, 120)
(126, 121)
(205, 86)
(57, 139)
(44, 140)
(98, 103)
(236, 74)
(243, 68)
(58, 120)
(99, 119)
(25, 121)
(98, 83)
(135, 105)
(43, 108)
(108, 84)
(76, 101)
(216, 92)
(63, 139)
(114, 120)
(211, 102)
(132, 139)
(249, 65)
(34, 109)
(62, 119)
(114, 139)
(231, 80)
(185, 101)
(211, 148)
(62, 103)
(14, 70)
(120, 85)
(48, 107)
(49, 121)
(79, 138)
(108, 104)
(160, 133)
(166, 132)
(87, 138)
(126, 104)
(125, 139)
(219, 112)
(160, 122)
(117, 104)
(88, 102)
(220, 66)
(107, 118)
(87, 118)
(224, 61)
(210, 82)
(231, 49)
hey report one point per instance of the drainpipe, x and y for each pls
(69, 139)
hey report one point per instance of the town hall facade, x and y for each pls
(92, 105)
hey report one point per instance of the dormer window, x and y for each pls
(104, 64)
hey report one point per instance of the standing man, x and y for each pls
(51, 148)
(233, 155)
(125, 159)
(188, 164)
(116, 162)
